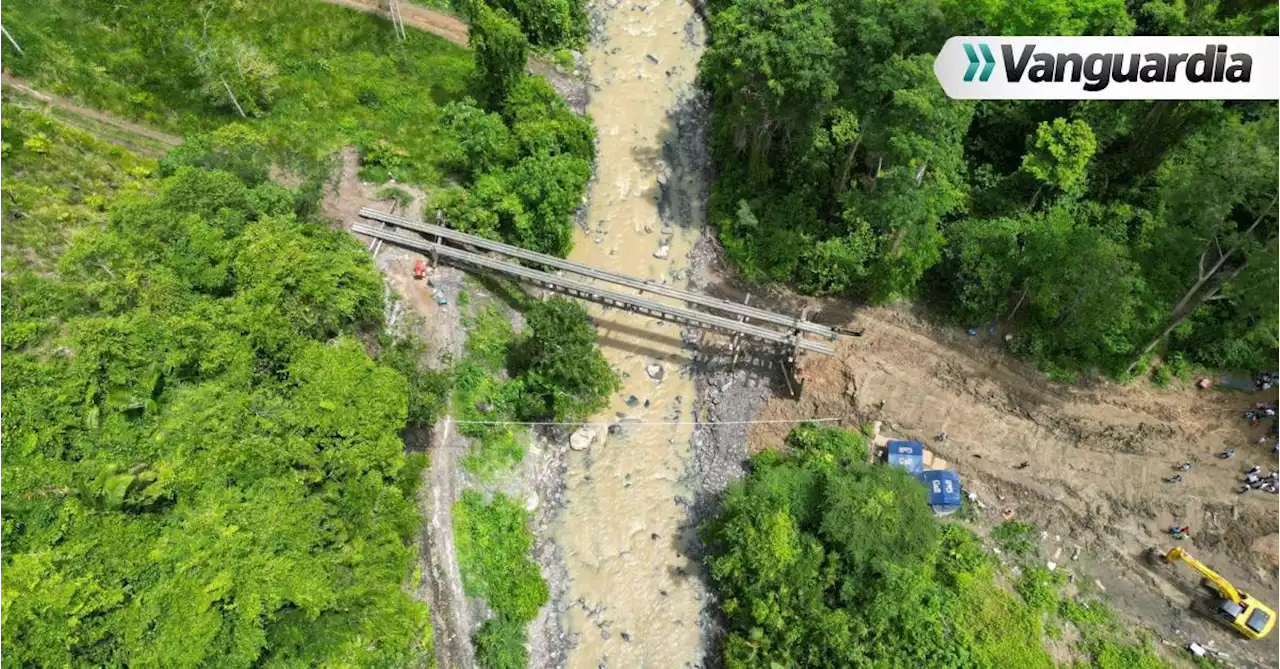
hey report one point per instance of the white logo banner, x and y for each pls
(1110, 68)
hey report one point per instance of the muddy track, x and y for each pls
(445, 25)
(442, 582)
(133, 136)
(1095, 455)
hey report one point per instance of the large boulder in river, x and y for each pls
(582, 439)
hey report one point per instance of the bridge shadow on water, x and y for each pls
(709, 354)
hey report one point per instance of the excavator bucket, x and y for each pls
(1249, 616)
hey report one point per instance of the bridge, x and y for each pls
(789, 334)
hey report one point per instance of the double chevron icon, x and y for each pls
(988, 62)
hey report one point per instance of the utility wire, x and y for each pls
(785, 421)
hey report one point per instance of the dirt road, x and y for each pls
(133, 136)
(447, 26)
(1096, 455)
(441, 584)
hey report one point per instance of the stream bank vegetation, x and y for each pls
(820, 559)
(552, 371)
(203, 464)
(494, 548)
(1100, 234)
(549, 371)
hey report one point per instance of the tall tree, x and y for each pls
(1059, 156)
(501, 50)
(775, 63)
(1218, 203)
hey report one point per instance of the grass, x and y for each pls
(127, 138)
(482, 392)
(57, 180)
(1105, 642)
(1038, 587)
(1015, 537)
(445, 6)
(494, 548)
(343, 77)
(401, 197)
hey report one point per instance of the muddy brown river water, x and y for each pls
(633, 597)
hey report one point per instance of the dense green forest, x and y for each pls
(202, 460)
(820, 559)
(211, 470)
(1090, 229)
(310, 78)
(523, 156)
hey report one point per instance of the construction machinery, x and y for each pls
(1241, 611)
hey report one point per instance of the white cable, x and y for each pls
(787, 421)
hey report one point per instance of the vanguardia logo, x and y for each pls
(1098, 70)
(987, 58)
(1130, 68)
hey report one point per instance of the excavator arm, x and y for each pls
(1249, 616)
(1224, 586)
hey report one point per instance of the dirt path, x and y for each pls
(92, 120)
(440, 327)
(442, 583)
(447, 26)
(1095, 458)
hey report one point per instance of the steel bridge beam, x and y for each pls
(595, 294)
(735, 308)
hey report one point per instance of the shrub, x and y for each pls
(494, 547)
(564, 375)
(1015, 537)
(500, 644)
(1039, 587)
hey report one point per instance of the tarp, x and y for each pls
(944, 489)
(1236, 382)
(906, 454)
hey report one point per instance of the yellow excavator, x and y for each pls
(1247, 615)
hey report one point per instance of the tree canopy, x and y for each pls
(202, 462)
(820, 559)
(1096, 231)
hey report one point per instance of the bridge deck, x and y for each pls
(737, 309)
(593, 293)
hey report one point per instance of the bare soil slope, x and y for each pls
(1096, 455)
(447, 26)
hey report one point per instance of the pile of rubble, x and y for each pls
(1264, 380)
(1255, 480)
(1259, 412)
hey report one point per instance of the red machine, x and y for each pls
(419, 269)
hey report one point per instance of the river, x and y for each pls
(634, 596)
